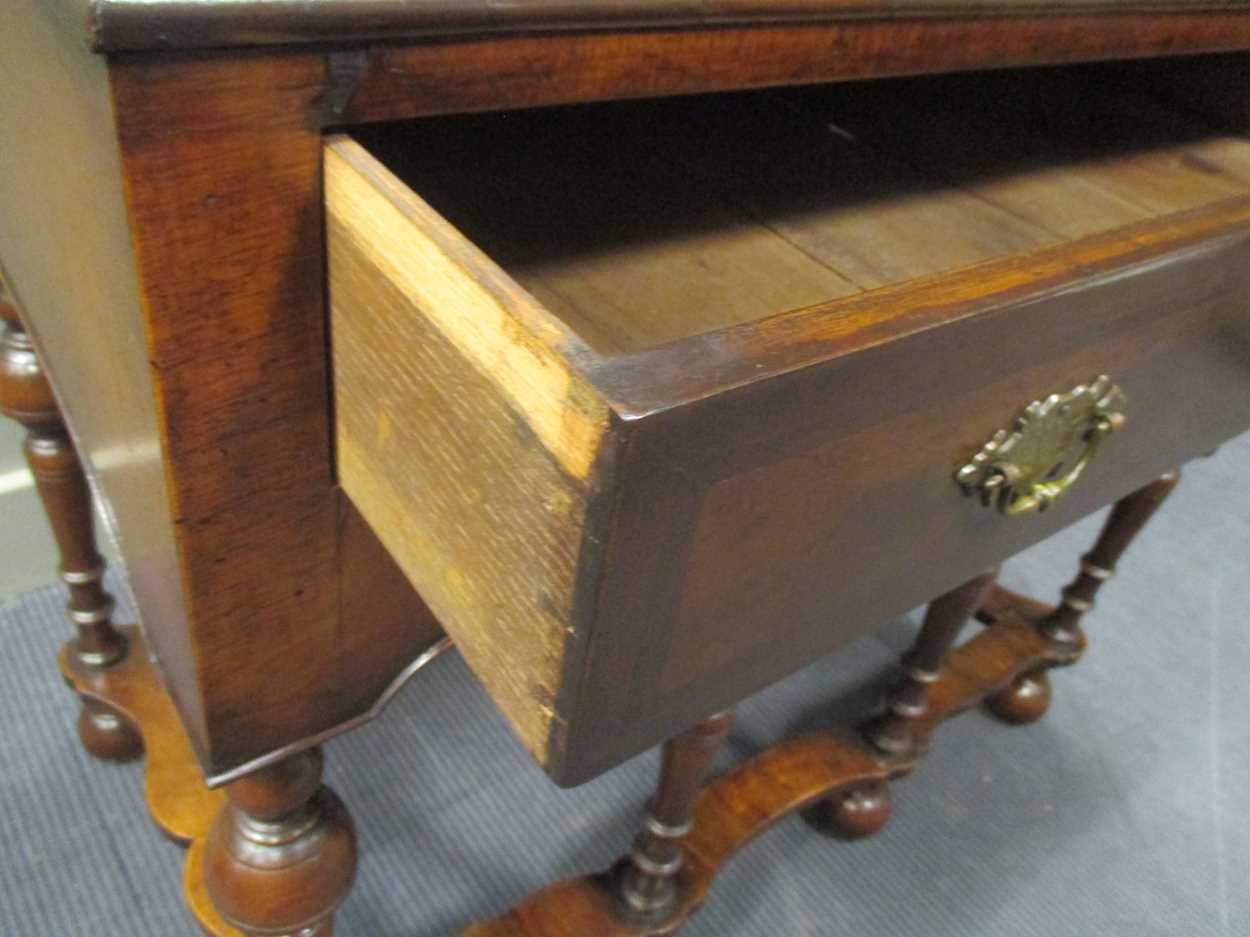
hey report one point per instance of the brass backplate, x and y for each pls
(1026, 468)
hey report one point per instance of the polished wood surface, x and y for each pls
(178, 802)
(477, 74)
(195, 893)
(281, 855)
(240, 369)
(697, 476)
(242, 397)
(845, 771)
(748, 545)
(26, 396)
(163, 24)
(791, 775)
(648, 884)
(898, 730)
(185, 329)
(225, 322)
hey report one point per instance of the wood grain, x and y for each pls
(223, 172)
(498, 329)
(239, 380)
(180, 805)
(760, 462)
(464, 437)
(635, 253)
(737, 357)
(215, 421)
(734, 809)
(475, 73)
(787, 201)
(764, 492)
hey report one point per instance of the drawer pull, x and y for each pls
(1027, 468)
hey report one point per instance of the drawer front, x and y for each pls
(804, 510)
(623, 544)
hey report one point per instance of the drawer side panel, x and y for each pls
(463, 438)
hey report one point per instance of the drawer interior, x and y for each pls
(640, 223)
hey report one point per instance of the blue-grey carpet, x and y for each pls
(1124, 812)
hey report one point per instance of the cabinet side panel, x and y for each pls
(66, 248)
(222, 170)
(384, 623)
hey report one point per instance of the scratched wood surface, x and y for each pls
(204, 377)
(287, 638)
(757, 454)
(463, 436)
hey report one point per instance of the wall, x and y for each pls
(27, 555)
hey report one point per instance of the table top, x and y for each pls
(117, 25)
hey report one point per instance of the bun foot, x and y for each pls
(859, 811)
(1022, 701)
(281, 856)
(107, 734)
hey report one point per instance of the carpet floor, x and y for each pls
(1122, 813)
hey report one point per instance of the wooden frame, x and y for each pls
(182, 121)
(186, 331)
(218, 148)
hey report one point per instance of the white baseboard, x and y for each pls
(15, 480)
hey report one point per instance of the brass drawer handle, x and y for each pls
(1028, 467)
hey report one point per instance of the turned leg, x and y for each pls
(26, 396)
(281, 855)
(648, 884)
(902, 730)
(1027, 697)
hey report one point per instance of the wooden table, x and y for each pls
(175, 179)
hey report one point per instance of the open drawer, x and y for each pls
(656, 402)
